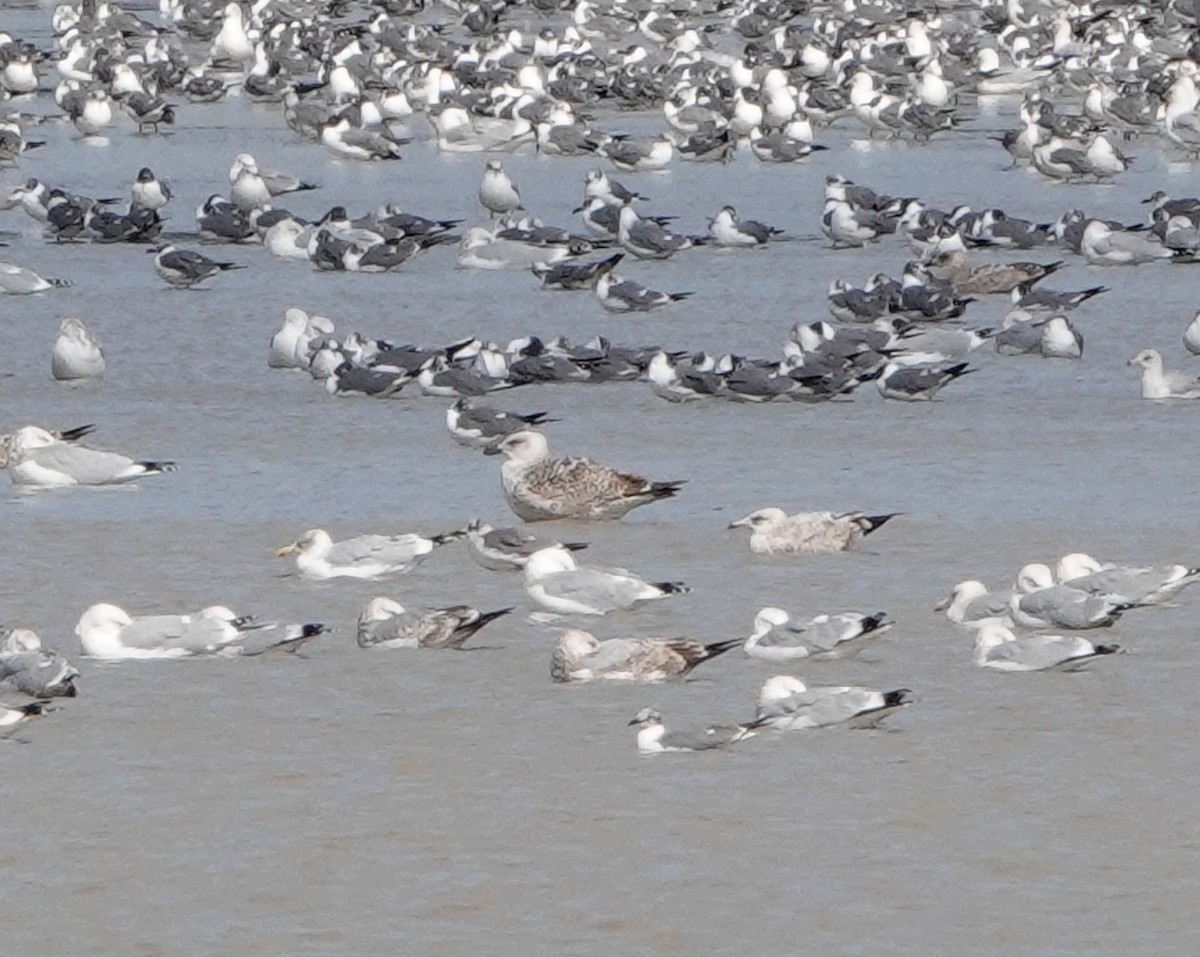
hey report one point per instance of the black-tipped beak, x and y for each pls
(492, 450)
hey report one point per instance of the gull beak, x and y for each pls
(740, 523)
(285, 551)
(942, 605)
(492, 450)
(634, 721)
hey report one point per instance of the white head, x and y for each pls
(768, 618)
(27, 439)
(22, 639)
(75, 330)
(575, 643)
(101, 621)
(549, 561)
(1034, 577)
(219, 613)
(961, 595)
(1076, 565)
(523, 446)
(647, 717)
(990, 634)
(315, 541)
(381, 609)
(1148, 359)
(762, 519)
(295, 318)
(780, 687)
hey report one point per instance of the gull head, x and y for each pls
(524, 446)
(381, 609)
(1076, 565)
(645, 718)
(763, 518)
(27, 439)
(780, 687)
(575, 643)
(768, 618)
(103, 619)
(962, 594)
(1034, 577)
(22, 639)
(549, 561)
(315, 541)
(990, 634)
(1147, 359)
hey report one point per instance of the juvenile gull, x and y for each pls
(368, 556)
(28, 668)
(786, 703)
(1137, 584)
(384, 623)
(554, 581)
(773, 531)
(970, 604)
(654, 738)
(1160, 384)
(507, 549)
(541, 488)
(580, 656)
(76, 353)
(998, 648)
(37, 458)
(1037, 602)
(823, 638)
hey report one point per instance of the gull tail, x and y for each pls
(953, 372)
(672, 588)
(304, 186)
(465, 631)
(77, 433)
(226, 266)
(869, 523)
(445, 538)
(876, 622)
(536, 418)
(574, 546)
(665, 489)
(679, 296)
(154, 468)
(720, 647)
(1107, 649)
(60, 283)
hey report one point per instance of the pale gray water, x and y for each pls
(351, 802)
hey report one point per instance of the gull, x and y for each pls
(1191, 336)
(540, 488)
(37, 458)
(384, 623)
(777, 637)
(1101, 245)
(148, 191)
(28, 668)
(1061, 340)
(108, 632)
(13, 718)
(259, 184)
(780, 147)
(725, 229)
(970, 604)
(634, 157)
(618, 294)
(570, 276)
(76, 353)
(65, 435)
(339, 138)
(184, 268)
(1051, 300)
(848, 226)
(497, 194)
(580, 656)
(507, 549)
(1037, 602)
(1158, 384)
(988, 278)
(788, 704)
(18, 281)
(1137, 584)
(349, 379)
(598, 185)
(773, 531)
(368, 556)
(646, 238)
(917, 383)
(148, 111)
(654, 738)
(554, 581)
(482, 427)
(998, 648)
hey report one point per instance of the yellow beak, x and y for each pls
(285, 551)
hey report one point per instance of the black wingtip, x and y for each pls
(574, 546)
(1107, 649)
(672, 588)
(870, 523)
(894, 699)
(720, 647)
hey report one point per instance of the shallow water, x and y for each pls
(346, 802)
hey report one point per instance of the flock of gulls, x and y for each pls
(367, 82)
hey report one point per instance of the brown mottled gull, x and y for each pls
(386, 624)
(580, 656)
(773, 531)
(540, 488)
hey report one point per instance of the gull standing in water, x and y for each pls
(497, 194)
(823, 638)
(773, 531)
(368, 556)
(507, 549)
(999, 649)
(541, 488)
(1158, 384)
(76, 355)
(788, 704)
(580, 656)
(37, 458)
(554, 581)
(385, 624)
(654, 738)
(28, 668)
